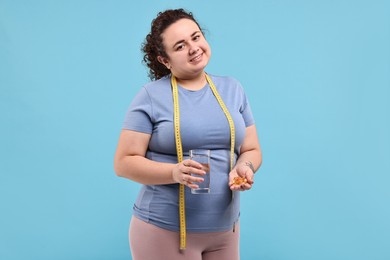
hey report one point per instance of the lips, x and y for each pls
(196, 58)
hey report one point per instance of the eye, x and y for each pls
(179, 47)
(196, 37)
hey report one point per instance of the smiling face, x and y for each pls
(187, 50)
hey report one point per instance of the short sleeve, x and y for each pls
(245, 109)
(139, 114)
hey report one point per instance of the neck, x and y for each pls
(195, 83)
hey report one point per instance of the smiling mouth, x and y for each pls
(196, 58)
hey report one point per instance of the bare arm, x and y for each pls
(130, 162)
(250, 153)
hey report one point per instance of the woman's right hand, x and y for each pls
(182, 173)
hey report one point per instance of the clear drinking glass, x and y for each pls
(202, 156)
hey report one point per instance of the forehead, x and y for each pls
(179, 30)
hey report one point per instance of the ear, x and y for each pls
(164, 61)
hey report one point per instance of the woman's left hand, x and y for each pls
(241, 177)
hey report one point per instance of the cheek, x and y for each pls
(177, 58)
(206, 47)
(209, 51)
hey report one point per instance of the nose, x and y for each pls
(193, 49)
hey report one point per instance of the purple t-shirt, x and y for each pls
(203, 125)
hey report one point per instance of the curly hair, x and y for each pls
(153, 45)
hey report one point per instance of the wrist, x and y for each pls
(250, 165)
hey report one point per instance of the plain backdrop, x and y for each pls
(317, 74)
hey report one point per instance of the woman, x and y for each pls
(177, 53)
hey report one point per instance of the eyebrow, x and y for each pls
(181, 41)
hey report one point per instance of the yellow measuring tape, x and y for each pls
(179, 148)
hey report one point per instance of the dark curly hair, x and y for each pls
(153, 44)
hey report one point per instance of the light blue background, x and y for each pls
(317, 74)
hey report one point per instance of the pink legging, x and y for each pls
(148, 242)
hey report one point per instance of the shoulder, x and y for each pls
(224, 79)
(159, 84)
(158, 89)
(227, 83)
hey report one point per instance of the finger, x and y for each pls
(192, 171)
(191, 167)
(185, 179)
(189, 182)
(250, 177)
(250, 181)
(241, 187)
(193, 164)
(186, 163)
(189, 163)
(193, 186)
(235, 187)
(246, 186)
(189, 179)
(193, 179)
